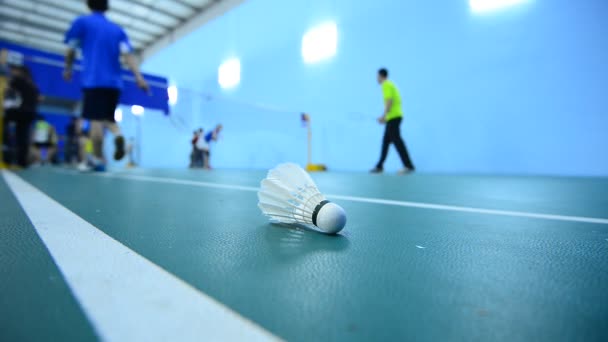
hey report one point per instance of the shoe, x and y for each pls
(84, 167)
(376, 170)
(405, 171)
(119, 147)
(99, 168)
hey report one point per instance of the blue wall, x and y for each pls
(522, 90)
(47, 71)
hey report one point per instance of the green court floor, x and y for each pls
(402, 270)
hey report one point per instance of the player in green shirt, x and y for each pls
(392, 118)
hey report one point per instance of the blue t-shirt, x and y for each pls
(209, 137)
(101, 42)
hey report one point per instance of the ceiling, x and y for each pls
(150, 24)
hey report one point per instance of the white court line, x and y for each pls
(473, 210)
(541, 216)
(125, 296)
(179, 182)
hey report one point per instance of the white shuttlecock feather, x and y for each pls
(289, 195)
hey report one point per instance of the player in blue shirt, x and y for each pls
(102, 43)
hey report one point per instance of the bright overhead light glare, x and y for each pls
(118, 115)
(172, 92)
(483, 6)
(137, 110)
(320, 43)
(229, 73)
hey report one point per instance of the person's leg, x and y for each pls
(395, 135)
(22, 132)
(6, 143)
(119, 140)
(73, 152)
(113, 97)
(199, 160)
(195, 156)
(93, 109)
(96, 132)
(50, 154)
(36, 154)
(82, 154)
(43, 153)
(99, 106)
(206, 155)
(384, 152)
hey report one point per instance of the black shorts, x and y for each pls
(99, 104)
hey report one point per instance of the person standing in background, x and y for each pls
(392, 117)
(102, 43)
(45, 137)
(196, 156)
(21, 105)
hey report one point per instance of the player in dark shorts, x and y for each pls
(102, 42)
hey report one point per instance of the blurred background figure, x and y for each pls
(209, 138)
(102, 43)
(20, 105)
(44, 138)
(196, 157)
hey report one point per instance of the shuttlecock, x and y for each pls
(289, 195)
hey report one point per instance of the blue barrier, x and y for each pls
(47, 71)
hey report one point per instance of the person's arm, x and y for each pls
(127, 51)
(73, 38)
(388, 103)
(70, 56)
(132, 64)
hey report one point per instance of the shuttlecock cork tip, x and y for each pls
(329, 217)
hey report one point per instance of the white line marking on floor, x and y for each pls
(420, 205)
(124, 295)
(179, 182)
(473, 210)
